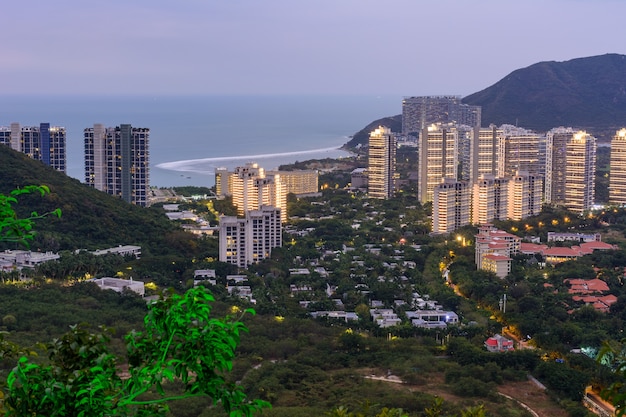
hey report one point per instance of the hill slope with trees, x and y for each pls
(90, 218)
(587, 93)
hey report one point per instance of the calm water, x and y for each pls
(191, 136)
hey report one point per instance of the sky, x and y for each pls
(321, 47)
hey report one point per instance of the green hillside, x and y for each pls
(91, 219)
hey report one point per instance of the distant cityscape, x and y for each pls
(470, 174)
(475, 175)
(116, 158)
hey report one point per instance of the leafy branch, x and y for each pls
(181, 342)
(16, 229)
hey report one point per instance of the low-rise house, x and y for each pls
(499, 343)
(26, 259)
(243, 291)
(336, 314)
(237, 279)
(122, 250)
(573, 237)
(119, 285)
(302, 288)
(557, 254)
(299, 271)
(431, 319)
(202, 275)
(385, 317)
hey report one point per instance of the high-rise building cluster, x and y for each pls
(474, 175)
(511, 173)
(116, 158)
(261, 200)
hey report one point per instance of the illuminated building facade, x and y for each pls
(244, 241)
(556, 161)
(251, 187)
(617, 176)
(487, 152)
(523, 150)
(451, 205)
(117, 161)
(580, 171)
(438, 158)
(43, 143)
(490, 199)
(298, 182)
(525, 195)
(381, 163)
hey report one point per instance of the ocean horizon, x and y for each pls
(190, 136)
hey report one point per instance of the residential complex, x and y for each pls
(381, 163)
(116, 161)
(511, 171)
(243, 241)
(494, 249)
(251, 187)
(43, 143)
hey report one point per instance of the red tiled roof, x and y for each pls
(587, 286)
(589, 247)
(528, 248)
(561, 252)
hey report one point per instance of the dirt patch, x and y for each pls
(525, 392)
(534, 397)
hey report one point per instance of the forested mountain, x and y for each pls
(90, 218)
(588, 93)
(585, 93)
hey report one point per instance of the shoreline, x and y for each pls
(201, 172)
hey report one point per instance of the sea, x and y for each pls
(191, 136)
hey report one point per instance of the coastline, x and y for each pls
(201, 172)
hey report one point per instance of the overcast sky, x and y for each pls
(386, 47)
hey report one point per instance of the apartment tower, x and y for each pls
(556, 161)
(490, 199)
(523, 150)
(437, 158)
(451, 205)
(525, 195)
(420, 112)
(117, 161)
(244, 241)
(381, 163)
(617, 176)
(580, 171)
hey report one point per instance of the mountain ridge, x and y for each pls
(586, 93)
